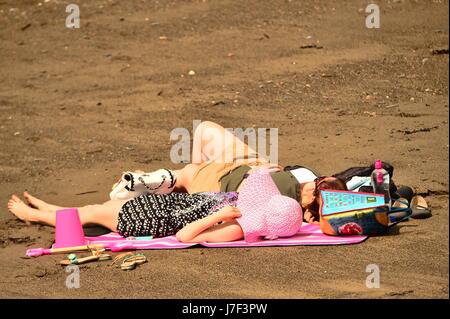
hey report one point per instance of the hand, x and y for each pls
(228, 213)
(310, 218)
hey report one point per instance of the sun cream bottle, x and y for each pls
(380, 182)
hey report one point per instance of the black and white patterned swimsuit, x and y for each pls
(164, 215)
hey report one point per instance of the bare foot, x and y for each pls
(40, 204)
(22, 210)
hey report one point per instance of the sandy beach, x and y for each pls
(80, 106)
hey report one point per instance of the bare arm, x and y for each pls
(207, 230)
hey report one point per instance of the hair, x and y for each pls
(324, 182)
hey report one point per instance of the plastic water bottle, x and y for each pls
(380, 182)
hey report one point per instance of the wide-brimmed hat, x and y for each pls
(265, 212)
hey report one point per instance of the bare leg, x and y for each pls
(185, 176)
(40, 204)
(212, 142)
(106, 214)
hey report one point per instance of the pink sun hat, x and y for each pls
(265, 212)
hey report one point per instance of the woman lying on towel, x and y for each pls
(212, 183)
(258, 211)
(221, 162)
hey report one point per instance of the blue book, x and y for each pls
(343, 201)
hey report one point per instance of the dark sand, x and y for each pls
(80, 106)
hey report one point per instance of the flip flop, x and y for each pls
(130, 260)
(400, 210)
(73, 259)
(401, 203)
(420, 209)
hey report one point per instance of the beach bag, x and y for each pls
(366, 171)
(134, 184)
(344, 213)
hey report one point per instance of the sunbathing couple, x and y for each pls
(215, 200)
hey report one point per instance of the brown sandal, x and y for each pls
(130, 260)
(419, 207)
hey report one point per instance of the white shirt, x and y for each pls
(303, 175)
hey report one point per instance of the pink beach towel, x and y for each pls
(309, 235)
